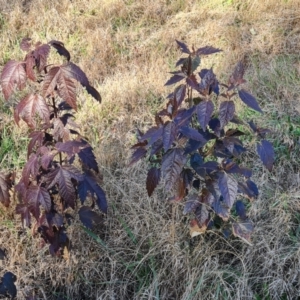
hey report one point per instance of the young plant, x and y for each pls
(61, 168)
(195, 150)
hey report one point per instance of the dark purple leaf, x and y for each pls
(266, 153)
(252, 186)
(60, 48)
(207, 50)
(137, 155)
(249, 100)
(88, 158)
(205, 110)
(174, 79)
(183, 47)
(31, 168)
(184, 116)
(37, 138)
(172, 164)
(156, 147)
(192, 133)
(202, 215)
(169, 135)
(153, 178)
(215, 125)
(94, 93)
(89, 218)
(181, 61)
(7, 285)
(40, 54)
(228, 187)
(24, 210)
(226, 112)
(221, 209)
(191, 204)
(90, 185)
(240, 209)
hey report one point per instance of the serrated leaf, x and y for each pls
(226, 112)
(192, 133)
(183, 47)
(243, 230)
(180, 93)
(184, 116)
(36, 196)
(153, 178)
(70, 147)
(191, 204)
(73, 71)
(31, 168)
(172, 164)
(59, 77)
(40, 54)
(228, 187)
(202, 215)
(36, 140)
(60, 48)
(88, 217)
(169, 135)
(4, 190)
(62, 176)
(205, 110)
(60, 131)
(208, 83)
(28, 107)
(266, 153)
(89, 185)
(88, 158)
(13, 75)
(249, 100)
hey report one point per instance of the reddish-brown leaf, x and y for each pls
(13, 75)
(62, 176)
(41, 53)
(28, 107)
(172, 164)
(60, 131)
(152, 180)
(37, 138)
(31, 168)
(243, 230)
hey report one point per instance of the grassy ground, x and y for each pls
(127, 48)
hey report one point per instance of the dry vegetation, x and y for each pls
(144, 251)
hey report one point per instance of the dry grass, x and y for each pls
(126, 48)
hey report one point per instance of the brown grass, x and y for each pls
(145, 252)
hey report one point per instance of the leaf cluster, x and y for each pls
(195, 146)
(61, 171)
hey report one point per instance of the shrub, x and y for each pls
(195, 147)
(61, 168)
